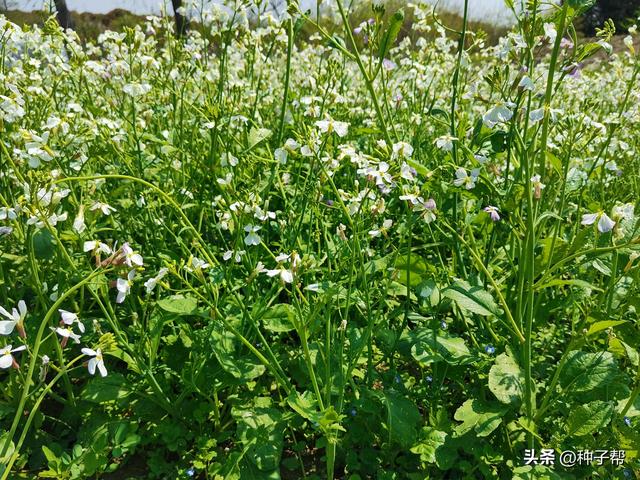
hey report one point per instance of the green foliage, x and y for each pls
(364, 247)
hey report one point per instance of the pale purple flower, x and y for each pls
(493, 212)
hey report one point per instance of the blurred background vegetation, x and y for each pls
(89, 25)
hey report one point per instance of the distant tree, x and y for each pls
(181, 21)
(63, 15)
(622, 12)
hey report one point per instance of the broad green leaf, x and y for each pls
(604, 325)
(241, 368)
(257, 135)
(585, 371)
(412, 269)
(180, 304)
(10, 448)
(279, 318)
(429, 290)
(539, 472)
(474, 299)
(585, 419)
(395, 24)
(481, 417)
(403, 420)
(622, 349)
(571, 282)
(43, 245)
(435, 345)
(506, 380)
(261, 428)
(431, 440)
(249, 471)
(105, 389)
(305, 405)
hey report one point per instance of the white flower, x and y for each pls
(445, 142)
(281, 154)
(78, 224)
(526, 83)
(199, 264)
(69, 318)
(550, 32)
(16, 317)
(380, 173)
(386, 225)
(252, 237)
(402, 150)
(605, 224)
(226, 180)
(103, 207)
(8, 213)
(426, 209)
(499, 114)
(96, 246)
(131, 258)
(330, 126)
(96, 361)
(537, 185)
(136, 89)
(237, 255)
(285, 275)
(536, 115)
(150, 284)
(67, 332)
(407, 172)
(123, 285)
(6, 359)
(469, 181)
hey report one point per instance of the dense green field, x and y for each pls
(250, 253)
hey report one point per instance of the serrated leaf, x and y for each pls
(471, 298)
(588, 418)
(506, 380)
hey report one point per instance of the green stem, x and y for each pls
(36, 349)
(367, 80)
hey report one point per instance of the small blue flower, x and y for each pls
(627, 473)
(353, 412)
(191, 472)
(443, 325)
(429, 378)
(490, 349)
(397, 379)
(627, 421)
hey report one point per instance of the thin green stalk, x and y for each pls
(32, 414)
(367, 80)
(287, 78)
